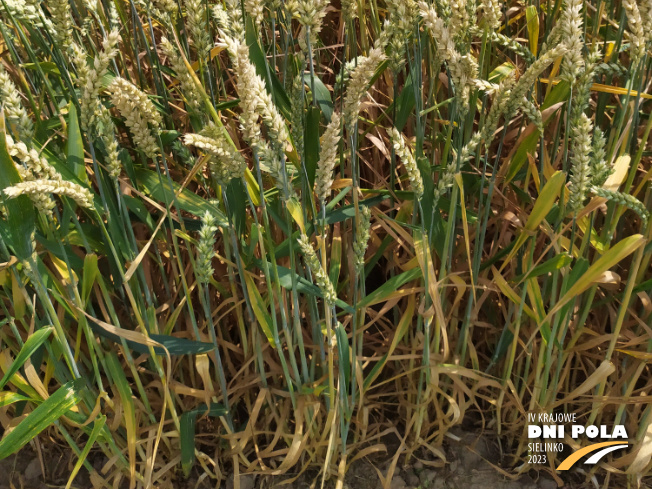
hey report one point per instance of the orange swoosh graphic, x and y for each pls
(571, 459)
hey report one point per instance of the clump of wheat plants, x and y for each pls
(263, 236)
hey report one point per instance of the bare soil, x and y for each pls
(472, 462)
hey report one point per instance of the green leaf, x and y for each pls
(187, 200)
(389, 287)
(332, 217)
(542, 206)
(50, 410)
(228, 104)
(168, 137)
(174, 345)
(129, 411)
(405, 104)
(140, 210)
(343, 350)
(311, 139)
(76, 146)
(9, 397)
(336, 259)
(46, 66)
(614, 255)
(322, 95)
(98, 425)
(532, 17)
(250, 247)
(545, 201)
(187, 432)
(91, 272)
(30, 346)
(63, 168)
(260, 310)
(180, 346)
(237, 205)
(557, 262)
(501, 72)
(348, 211)
(505, 340)
(303, 286)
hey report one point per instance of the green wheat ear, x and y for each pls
(205, 248)
(627, 200)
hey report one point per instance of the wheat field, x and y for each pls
(263, 237)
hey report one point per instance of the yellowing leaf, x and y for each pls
(599, 87)
(613, 256)
(465, 226)
(542, 206)
(67, 396)
(532, 17)
(621, 168)
(62, 268)
(639, 355)
(598, 376)
(252, 187)
(501, 72)
(504, 287)
(297, 213)
(203, 368)
(260, 310)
